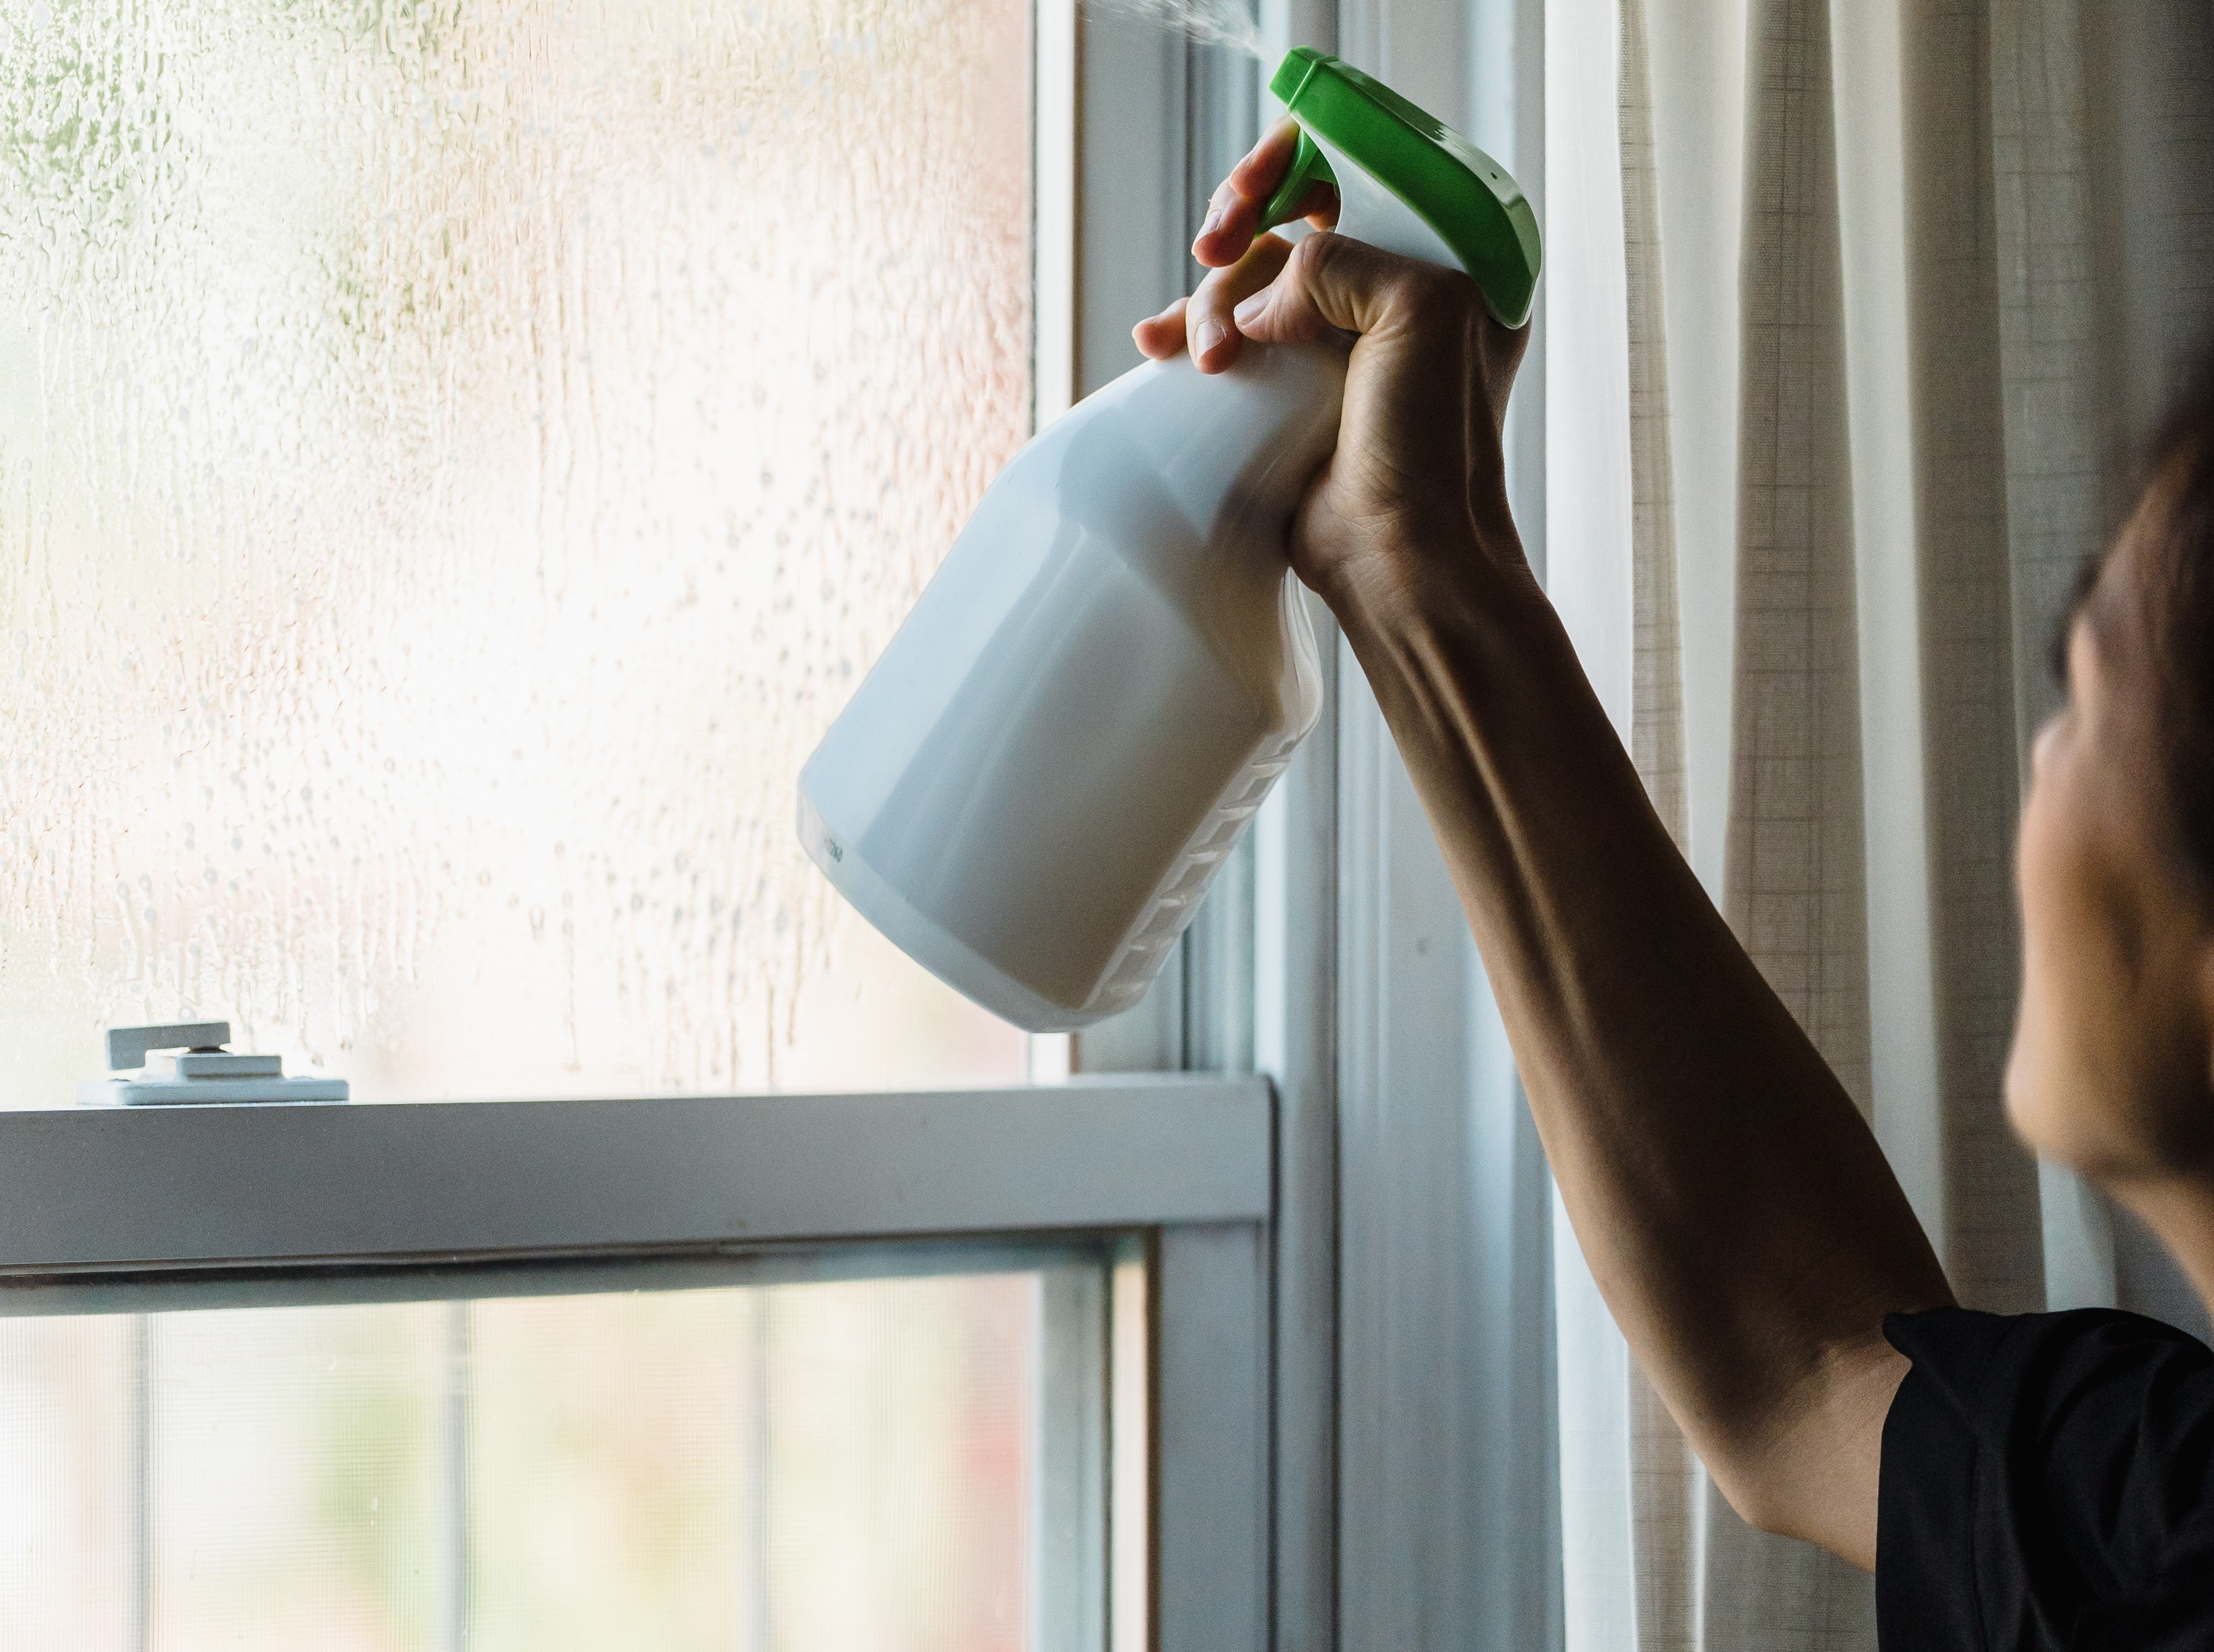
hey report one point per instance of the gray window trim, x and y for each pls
(201, 1187)
(1447, 1477)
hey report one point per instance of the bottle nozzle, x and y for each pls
(1465, 198)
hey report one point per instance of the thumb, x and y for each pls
(1332, 281)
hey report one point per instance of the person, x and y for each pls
(2039, 1481)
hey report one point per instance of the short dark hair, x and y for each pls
(2177, 586)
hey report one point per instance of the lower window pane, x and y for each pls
(67, 1502)
(817, 1465)
(292, 1476)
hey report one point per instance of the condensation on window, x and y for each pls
(455, 460)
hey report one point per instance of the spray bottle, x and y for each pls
(1033, 789)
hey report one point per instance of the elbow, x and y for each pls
(1810, 1467)
(1837, 1516)
(1763, 1498)
(1755, 1451)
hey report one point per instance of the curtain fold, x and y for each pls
(1794, 883)
(1972, 671)
(2054, 249)
(1793, 872)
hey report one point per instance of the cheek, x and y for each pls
(2057, 1068)
(2043, 868)
(2104, 1075)
(2029, 1077)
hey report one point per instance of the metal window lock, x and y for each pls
(200, 1070)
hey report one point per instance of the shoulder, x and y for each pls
(2045, 1473)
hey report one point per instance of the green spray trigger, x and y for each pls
(1309, 166)
(1459, 192)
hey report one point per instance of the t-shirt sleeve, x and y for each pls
(2047, 1482)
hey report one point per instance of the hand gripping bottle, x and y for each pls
(1034, 785)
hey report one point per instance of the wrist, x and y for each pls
(1457, 580)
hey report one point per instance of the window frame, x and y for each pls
(1287, 1251)
(268, 1205)
(1447, 1441)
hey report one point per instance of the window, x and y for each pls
(458, 457)
(452, 460)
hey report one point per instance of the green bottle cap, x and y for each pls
(1449, 183)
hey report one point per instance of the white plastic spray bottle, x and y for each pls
(1033, 787)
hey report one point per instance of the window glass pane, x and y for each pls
(880, 1432)
(293, 1476)
(811, 1466)
(68, 1500)
(454, 459)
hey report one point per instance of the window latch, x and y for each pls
(199, 1071)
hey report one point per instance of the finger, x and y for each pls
(1233, 214)
(1329, 281)
(1158, 337)
(1215, 342)
(1256, 175)
(1239, 221)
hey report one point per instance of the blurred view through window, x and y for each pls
(811, 1466)
(455, 458)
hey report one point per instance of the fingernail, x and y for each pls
(1249, 310)
(1210, 337)
(1207, 225)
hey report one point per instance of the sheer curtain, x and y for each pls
(1858, 313)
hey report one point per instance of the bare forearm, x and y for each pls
(1733, 1207)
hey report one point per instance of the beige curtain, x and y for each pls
(1973, 238)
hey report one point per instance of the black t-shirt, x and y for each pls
(2048, 1482)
